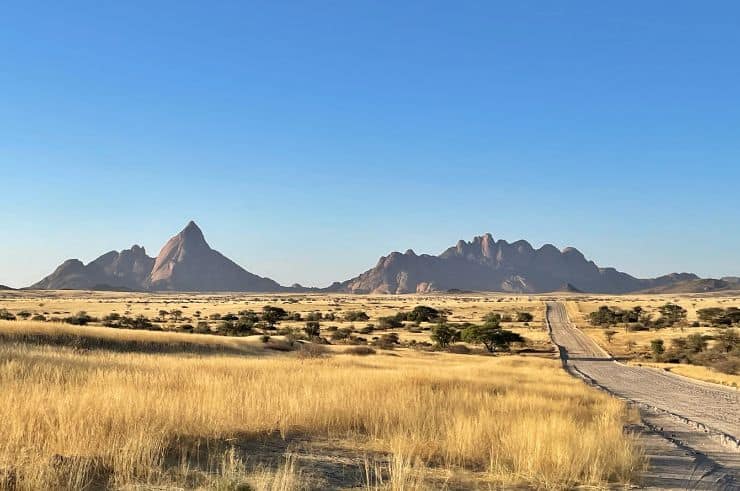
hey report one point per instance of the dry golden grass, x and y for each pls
(74, 418)
(696, 372)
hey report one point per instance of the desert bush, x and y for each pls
(312, 329)
(387, 341)
(356, 316)
(360, 351)
(389, 322)
(79, 319)
(459, 349)
(368, 329)
(341, 334)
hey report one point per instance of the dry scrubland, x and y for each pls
(634, 346)
(98, 407)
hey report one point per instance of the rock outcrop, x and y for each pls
(185, 263)
(485, 264)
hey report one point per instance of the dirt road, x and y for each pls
(702, 420)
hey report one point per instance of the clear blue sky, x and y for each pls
(309, 138)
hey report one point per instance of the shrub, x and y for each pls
(388, 341)
(367, 329)
(312, 329)
(341, 334)
(657, 347)
(390, 322)
(79, 319)
(524, 317)
(492, 317)
(356, 316)
(360, 351)
(6, 315)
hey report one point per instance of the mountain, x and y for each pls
(707, 285)
(126, 269)
(485, 264)
(185, 263)
(4, 287)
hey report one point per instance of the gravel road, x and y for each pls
(703, 420)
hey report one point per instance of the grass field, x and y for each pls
(98, 407)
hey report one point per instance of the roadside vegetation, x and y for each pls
(709, 340)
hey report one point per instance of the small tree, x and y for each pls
(24, 314)
(609, 334)
(696, 343)
(491, 336)
(672, 313)
(658, 348)
(271, 315)
(312, 329)
(524, 317)
(176, 315)
(444, 335)
(422, 313)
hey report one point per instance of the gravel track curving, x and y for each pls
(701, 419)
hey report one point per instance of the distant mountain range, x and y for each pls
(188, 263)
(185, 263)
(485, 264)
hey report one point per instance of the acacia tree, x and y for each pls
(271, 315)
(444, 335)
(672, 313)
(491, 336)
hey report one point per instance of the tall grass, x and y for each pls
(103, 418)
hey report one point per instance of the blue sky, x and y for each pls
(309, 138)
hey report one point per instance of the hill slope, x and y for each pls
(707, 285)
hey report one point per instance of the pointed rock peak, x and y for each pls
(192, 233)
(192, 227)
(410, 252)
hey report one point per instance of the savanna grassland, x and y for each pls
(88, 406)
